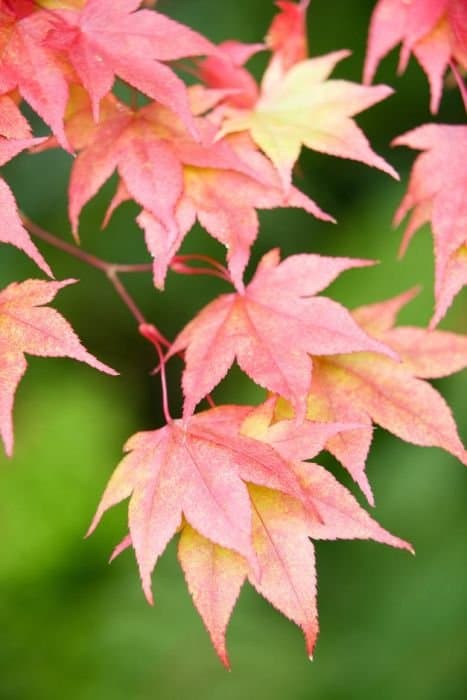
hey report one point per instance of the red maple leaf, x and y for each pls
(437, 193)
(107, 39)
(287, 36)
(26, 327)
(226, 74)
(271, 328)
(435, 31)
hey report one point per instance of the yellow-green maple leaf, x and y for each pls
(301, 106)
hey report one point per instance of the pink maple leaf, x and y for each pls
(435, 31)
(437, 193)
(15, 136)
(106, 39)
(271, 328)
(367, 387)
(27, 327)
(28, 65)
(301, 107)
(221, 183)
(259, 530)
(196, 469)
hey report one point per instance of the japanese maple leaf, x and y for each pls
(221, 183)
(293, 440)
(107, 39)
(12, 230)
(15, 136)
(302, 107)
(224, 200)
(148, 148)
(368, 387)
(437, 192)
(435, 31)
(271, 328)
(282, 527)
(26, 327)
(28, 65)
(197, 470)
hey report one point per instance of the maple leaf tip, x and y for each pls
(311, 643)
(114, 554)
(408, 547)
(8, 449)
(366, 489)
(224, 658)
(66, 283)
(147, 592)
(92, 527)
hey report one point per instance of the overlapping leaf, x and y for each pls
(437, 193)
(27, 327)
(435, 32)
(15, 136)
(271, 328)
(302, 107)
(287, 36)
(149, 148)
(195, 469)
(27, 64)
(226, 74)
(367, 387)
(224, 200)
(175, 179)
(107, 39)
(286, 560)
(200, 477)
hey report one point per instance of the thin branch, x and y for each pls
(68, 248)
(137, 267)
(151, 333)
(76, 252)
(111, 270)
(125, 296)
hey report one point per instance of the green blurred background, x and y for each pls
(72, 627)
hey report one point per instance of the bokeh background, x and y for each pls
(72, 627)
